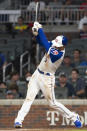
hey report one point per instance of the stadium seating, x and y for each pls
(80, 44)
(82, 70)
(14, 45)
(22, 87)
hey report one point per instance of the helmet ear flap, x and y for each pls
(64, 40)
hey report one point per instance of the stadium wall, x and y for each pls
(40, 114)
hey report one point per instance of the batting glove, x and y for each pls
(34, 31)
(36, 24)
(35, 28)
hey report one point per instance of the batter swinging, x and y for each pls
(44, 77)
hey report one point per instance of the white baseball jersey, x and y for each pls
(46, 64)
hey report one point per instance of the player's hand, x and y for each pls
(34, 31)
(36, 24)
(35, 28)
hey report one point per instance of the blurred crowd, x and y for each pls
(55, 12)
(62, 12)
(58, 11)
(69, 83)
(67, 86)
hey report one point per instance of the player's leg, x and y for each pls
(48, 90)
(31, 93)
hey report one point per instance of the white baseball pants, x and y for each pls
(46, 84)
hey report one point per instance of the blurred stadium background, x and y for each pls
(20, 55)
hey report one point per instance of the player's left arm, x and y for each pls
(54, 53)
(42, 39)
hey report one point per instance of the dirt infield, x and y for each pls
(59, 129)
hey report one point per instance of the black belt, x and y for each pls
(48, 74)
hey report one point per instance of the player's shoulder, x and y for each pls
(56, 51)
(55, 54)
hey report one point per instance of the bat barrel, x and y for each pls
(37, 11)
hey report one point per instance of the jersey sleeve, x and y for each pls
(55, 54)
(42, 40)
(38, 40)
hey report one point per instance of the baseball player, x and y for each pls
(43, 78)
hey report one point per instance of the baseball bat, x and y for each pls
(37, 11)
(36, 19)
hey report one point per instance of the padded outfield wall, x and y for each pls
(41, 115)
